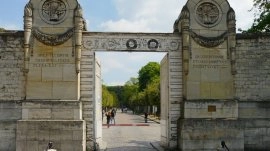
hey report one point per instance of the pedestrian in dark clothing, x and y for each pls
(108, 118)
(112, 116)
(103, 112)
(145, 117)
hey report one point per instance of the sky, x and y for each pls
(155, 16)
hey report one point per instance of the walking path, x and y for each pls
(131, 133)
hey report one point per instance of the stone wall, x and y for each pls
(252, 87)
(201, 134)
(11, 87)
(10, 112)
(252, 80)
(66, 135)
(11, 65)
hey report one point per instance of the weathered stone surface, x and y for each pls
(10, 112)
(207, 134)
(51, 110)
(11, 63)
(65, 135)
(252, 64)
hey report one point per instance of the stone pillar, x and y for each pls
(232, 39)
(78, 37)
(28, 23)
(52, 109)
(184, 26)
(208, 36)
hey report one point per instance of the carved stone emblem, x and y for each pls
(131, 44)
(112, 44)
(152, 44)
(53, 11)
(207, 14)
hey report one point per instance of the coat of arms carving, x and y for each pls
(53, 11)
(207, 14)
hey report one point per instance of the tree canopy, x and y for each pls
(109, 99)
(147, 74)
(262, 16)
(141, 91)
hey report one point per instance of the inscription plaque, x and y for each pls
(209, 61)
(50, 59)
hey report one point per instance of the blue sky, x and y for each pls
(124, 16)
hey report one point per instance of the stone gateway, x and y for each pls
(215, 83)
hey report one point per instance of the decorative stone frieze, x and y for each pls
(131, 42)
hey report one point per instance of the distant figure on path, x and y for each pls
(145, 117)
(103, 112)
(112, 116)
(108, 118)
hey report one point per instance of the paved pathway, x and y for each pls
(131, 133)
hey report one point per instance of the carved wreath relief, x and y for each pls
(131, 44)
(53, 11)
(207, 14)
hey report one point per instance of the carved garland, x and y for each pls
(53, 39)
(209, 41)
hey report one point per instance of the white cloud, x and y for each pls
(144, 16)
(159, 15)
(244, 18)
(124, 25)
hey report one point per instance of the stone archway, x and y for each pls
(134, 42)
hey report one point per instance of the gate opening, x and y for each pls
(134, 108)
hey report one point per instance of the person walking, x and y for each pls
(112, 117)
(108, 119)
(145, 117)
(103, 112)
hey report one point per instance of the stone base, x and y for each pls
(203, 134)
(34, 135)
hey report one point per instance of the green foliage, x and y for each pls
(262, 16)
(130, 92)
(109, 99)
(147, 74)
(118, 91)
(152, 92)
(141, 91)
(144, 90)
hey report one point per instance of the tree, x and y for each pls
(118, 91)
(153, 92)
(147, 74)
(130, 92)
(109, 99)
(262, 16)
